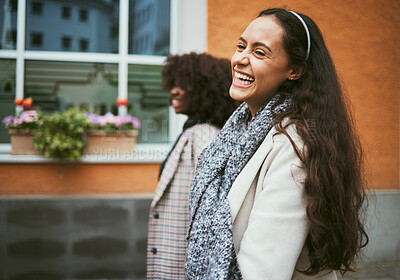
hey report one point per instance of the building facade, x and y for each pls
(88, 220)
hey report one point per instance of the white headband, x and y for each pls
(308, 32)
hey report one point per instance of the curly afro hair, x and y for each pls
(206, 81)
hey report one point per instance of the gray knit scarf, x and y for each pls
(210, 252)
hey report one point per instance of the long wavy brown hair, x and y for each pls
(333, 160)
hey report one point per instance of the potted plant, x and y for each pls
(61, 134)
(22, 128)
(111, 135)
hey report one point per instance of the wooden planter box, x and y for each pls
(22, 142)
(100, 142)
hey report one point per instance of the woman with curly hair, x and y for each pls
(278, 194)
(199, 88)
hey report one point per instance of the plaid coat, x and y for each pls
(169, 213)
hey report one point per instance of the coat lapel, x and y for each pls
(170, 169)
(244, 180)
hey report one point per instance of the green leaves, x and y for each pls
(61, 135)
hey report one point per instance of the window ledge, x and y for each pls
(144, 153)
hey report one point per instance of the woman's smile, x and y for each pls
(179, 100)
(175, 102)
(242, 80)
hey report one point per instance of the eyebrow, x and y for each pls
(257, 44)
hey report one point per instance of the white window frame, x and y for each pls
(188, 32)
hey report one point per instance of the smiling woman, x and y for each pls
(198, 85)
(278, 193)
(260, 64)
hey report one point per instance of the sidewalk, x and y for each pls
(376, 271)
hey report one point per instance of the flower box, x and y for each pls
(120, 142)
(22, 142)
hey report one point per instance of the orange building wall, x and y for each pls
(364, 40)
(77, 178)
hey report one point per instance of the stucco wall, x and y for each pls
(55, 178)
(364, 41)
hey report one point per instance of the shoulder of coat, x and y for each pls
(290, 136)
(202, 130)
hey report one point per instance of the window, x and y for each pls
(68, 62)
(13, 5)
(66, 12)
(8, 24)
(37, 8)
(66, 42)
(114, 32)
(149, 102)
(83, 45)
(60, 85)
(71, 17)
(11, 36)
(83, 15)
(36, 39)
(149, 19)
(7, 94)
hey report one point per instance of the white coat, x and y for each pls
(268, 208)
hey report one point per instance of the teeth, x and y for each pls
(243, 82)
(243, 77)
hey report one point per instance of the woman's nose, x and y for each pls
(174, 91)
(241, 58)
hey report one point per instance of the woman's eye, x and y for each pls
(259, 53)
(240, 46)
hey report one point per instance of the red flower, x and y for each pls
(18, 101)
(27, 103)
(122, 102)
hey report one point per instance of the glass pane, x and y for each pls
(148, 102)
(57, 86)
(76, 26)
(8, 24)
(149, 27)
(7, 94)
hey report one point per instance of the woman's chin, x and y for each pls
(177, 111)
(236, 94)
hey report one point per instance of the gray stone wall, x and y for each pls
(75, 238)
(383, 227)
(54, 238)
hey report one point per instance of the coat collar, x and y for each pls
(246, 177)
(170, 169)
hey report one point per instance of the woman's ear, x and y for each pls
(297, 71)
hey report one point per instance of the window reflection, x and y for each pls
(66, 12)
(83, 15)
(149, 27)
(148, 102)
(66, 42)
(57, 86)
(7, 94)
(90, 24)
(36, 39)
(36, 8)
(8, 24)
(83, 45)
